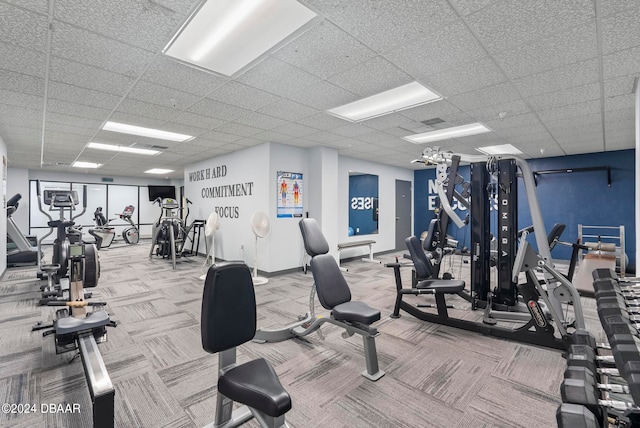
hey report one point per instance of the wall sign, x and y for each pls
(221, 191)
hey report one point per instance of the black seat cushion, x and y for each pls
(256, 384)
(228, 316)
(442, 285)
(314, 241)
(423, 266)
(356, 312)
(331, 286)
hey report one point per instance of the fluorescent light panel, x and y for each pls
(504, 149)
(79, 164)
(448, 133)
(226, 35)
(145, 132)
(403, 97)
(158, 171)
(112, 148)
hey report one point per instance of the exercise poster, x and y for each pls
(290, 197)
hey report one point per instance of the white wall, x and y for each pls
(247, 166)
(3, 215)
(325, 196)
(387, 176)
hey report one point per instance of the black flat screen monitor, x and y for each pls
(162, 192)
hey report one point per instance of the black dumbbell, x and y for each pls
(575, 416)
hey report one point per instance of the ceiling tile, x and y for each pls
(199, 121)
(497, 94)
(23, 28)
(219, 137)
(445, 48)
(572, 124)
(565, 77)
(86, 76)
(506, 24)
(465, 7)
(238, 129)
(277, 77)
(295, 130)
(322, 121)
(381, 75)
(23, 60)
(383, 25)
(288, 110)
(270, 136)
(173, 74)
(351, 130)
(86, 47)
(74, 109)
(620, 31)
(243, 96)
(561, 134)
(323, 96)
(21, 99)
(620, 115)
(163, 96)
(218, 110)
(576, 44)
(619, 102)
(17, 82)
(573, 110)
(621, 63)
(511, 108)
(136, 23)
(324, 50)
(607, 7)
(565, 97)
(510, 121)
(323, 137)
(466, 78)
(143, 109)
(69, 129)
(73, 120)
(74, 94)
(262, 121)
(619, 85)
(391, 120)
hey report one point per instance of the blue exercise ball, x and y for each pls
(351, 231)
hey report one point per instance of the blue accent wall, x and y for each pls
(569, 198)
(363, 189)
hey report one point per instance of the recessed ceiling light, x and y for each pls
(403, 97)
(158, 171)
(448, 133)
(113, 148)
(503, 149)
(226, 35)
(145, 132)
(79, 164)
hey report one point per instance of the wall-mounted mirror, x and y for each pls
(363, 203)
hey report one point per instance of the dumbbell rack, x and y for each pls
(601, 386)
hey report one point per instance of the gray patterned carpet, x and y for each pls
(436, 376)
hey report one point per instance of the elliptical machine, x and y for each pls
(131, 235)
(57, 271)
(168, 231)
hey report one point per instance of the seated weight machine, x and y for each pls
(168, 233)
(534, 308)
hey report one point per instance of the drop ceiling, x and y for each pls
(550, 77)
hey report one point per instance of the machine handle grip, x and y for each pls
(84, 196)
(38, 187)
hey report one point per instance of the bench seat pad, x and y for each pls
(256, 385)
(355, 312)
(442, 285)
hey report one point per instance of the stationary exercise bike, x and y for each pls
(104, 233)
(66, 235)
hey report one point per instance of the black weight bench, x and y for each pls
(229, 320)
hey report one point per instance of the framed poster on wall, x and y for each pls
(289, 194)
